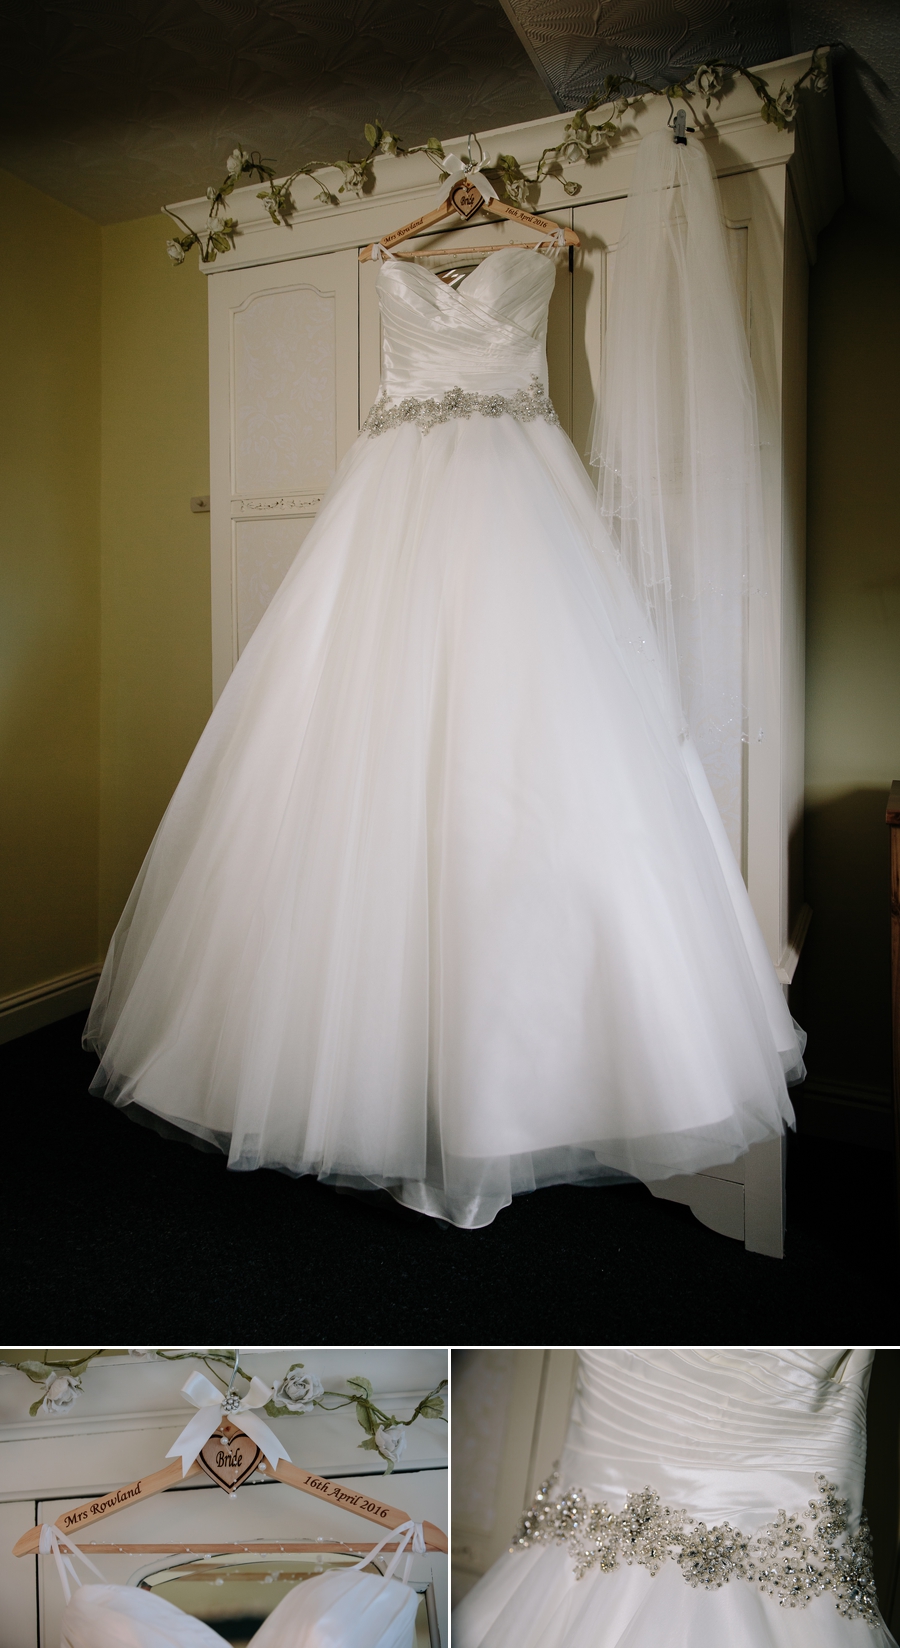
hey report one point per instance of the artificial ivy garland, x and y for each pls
(295, 1392)
(582, 140)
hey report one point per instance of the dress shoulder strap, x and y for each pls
(53, 1539)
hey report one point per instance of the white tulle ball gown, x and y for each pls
(705, 1498)
(442, 903)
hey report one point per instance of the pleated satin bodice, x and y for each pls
(335, 1610)
(486, 336)
(727, 1434)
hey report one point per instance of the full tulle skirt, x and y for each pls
(442, 904)
(531, 1599)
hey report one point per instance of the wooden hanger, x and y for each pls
(349, 1499)
(465, 199)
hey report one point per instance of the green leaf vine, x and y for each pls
(296, 1392)
(583, 141)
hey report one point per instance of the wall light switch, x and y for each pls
(200, 506)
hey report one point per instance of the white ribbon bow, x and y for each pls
(52, 1539)
(213, 1407)
(451, 163)
(379, 252)
(410, 1537)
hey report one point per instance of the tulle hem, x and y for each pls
(483, 1186)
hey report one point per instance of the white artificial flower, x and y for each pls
(391, 1441)
(175, 251)
(59, 1394)
(235, 163)
(298, 1391)
(142, 1353)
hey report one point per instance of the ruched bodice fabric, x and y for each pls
(727, 1434)
(487, 336)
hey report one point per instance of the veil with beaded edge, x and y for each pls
(676, 447)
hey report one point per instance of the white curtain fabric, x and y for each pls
(676, 447)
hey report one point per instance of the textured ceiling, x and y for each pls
(574, 44)
(115, 106)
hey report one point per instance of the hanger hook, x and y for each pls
(234, 1371)
(474, 165)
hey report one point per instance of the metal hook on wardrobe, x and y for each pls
(678, 122)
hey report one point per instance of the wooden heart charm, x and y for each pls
(465, 199)
(229, 1457)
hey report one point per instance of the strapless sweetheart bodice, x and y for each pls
(486, 336)
(726, 1434)
(343, 1609)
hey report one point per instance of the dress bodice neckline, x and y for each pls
(337, 1609)
(485, 336)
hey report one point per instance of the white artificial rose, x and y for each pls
(234, 163)
(175, 251)
(298, 1391)
(60, 1393)
(391, 1441)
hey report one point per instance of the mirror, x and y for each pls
(233, 1594)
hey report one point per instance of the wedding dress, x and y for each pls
(442, 903)
(340, 1609)
(335, 1610)
(704, 1497)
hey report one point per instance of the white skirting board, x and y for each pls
(45, 1003)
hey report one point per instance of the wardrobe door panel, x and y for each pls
(17, 1584)
(284, 407)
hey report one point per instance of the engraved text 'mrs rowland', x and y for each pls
(99, 1507)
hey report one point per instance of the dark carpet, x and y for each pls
(115, 1235)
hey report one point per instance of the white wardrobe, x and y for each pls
(294, 366)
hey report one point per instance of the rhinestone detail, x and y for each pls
(525, 405)
(794, 1558)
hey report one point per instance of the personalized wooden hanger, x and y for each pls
(228, 1458)
(468, 194)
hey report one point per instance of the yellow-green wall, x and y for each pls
(105, 641)
(156, 664)
(853, 650)
(50, 611)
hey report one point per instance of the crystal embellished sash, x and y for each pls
(794, 1558)
(525, 405)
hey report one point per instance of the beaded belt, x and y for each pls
(794, 1558)
(525, 405)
